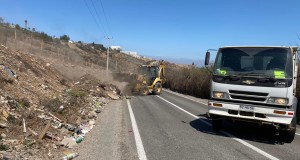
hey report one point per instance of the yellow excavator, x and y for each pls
(150, 78)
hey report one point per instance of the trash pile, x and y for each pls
(43, 115)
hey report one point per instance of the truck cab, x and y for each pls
(255, 84)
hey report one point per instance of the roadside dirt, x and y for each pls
(40, 108)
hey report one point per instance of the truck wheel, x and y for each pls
(298, 114)
(144, 91)
(288, 136)
(216, 124)
(157, 88)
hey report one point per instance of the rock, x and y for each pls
(3, 125)
(44, 87)
(18, 147)
(3, 135)
(92, 115)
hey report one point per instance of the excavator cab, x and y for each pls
(150, 78)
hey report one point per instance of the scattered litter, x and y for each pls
(54, 146)
(3, 125)
(68, 142)
(3, 118)
(55, 117)
(42, 116)
(70, 156)
(79, 139)
(49, 110)
(113, 96)
(53, 137)
(10, 72)
(92, 122)
(3, 135)
(43, 133)
(85, 128)
(24, 126)
(32, 131)
(56, 124)
(98, 111)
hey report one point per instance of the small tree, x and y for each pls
(1, 20)
(64, 38)
(46, 37)
(18, 26)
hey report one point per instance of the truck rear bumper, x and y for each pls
(253, 113)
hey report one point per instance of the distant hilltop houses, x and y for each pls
(118, 48)
(131, 53)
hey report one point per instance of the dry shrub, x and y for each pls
(191, 81)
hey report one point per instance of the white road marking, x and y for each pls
(185, 97)
(180, 95)
(138, 141)
(225, 133)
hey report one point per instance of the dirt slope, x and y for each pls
(34, 94)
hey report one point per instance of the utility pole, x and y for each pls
(107, 59)
(26, 24)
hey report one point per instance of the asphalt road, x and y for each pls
(173, 127)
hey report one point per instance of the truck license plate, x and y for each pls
(246, 108)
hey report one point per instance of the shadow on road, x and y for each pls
(242, 130)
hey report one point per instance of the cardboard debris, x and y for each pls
(43, 133)
(113, 96)
(69, 142)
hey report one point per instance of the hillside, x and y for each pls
(91, 56)
(51, 89)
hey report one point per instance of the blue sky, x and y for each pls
(181, 29)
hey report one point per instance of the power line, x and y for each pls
(97, 14)
(105, 16)
(95, 19)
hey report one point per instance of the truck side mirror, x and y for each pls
(207, 56)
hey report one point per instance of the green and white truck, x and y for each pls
(255, 84)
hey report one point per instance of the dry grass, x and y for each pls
(188, 80)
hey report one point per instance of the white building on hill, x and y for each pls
(131, 53)
(116, 48)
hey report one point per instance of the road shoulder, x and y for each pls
(112, 137)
